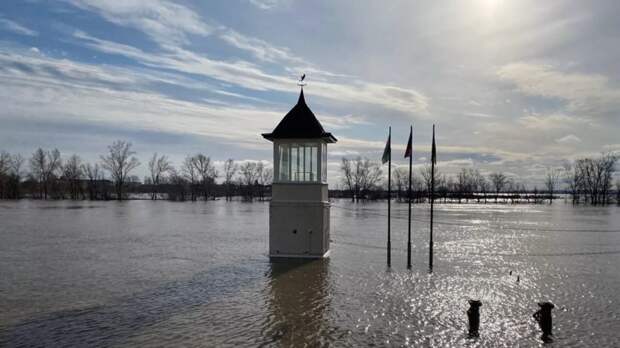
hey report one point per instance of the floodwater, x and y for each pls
(144, 273)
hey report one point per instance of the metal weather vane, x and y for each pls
(301, 83)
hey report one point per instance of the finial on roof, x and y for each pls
(300, 123)
(301, 83)
(301, 99)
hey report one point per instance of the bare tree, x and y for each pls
(17, 161)
(466, 183)
(360, 175)
(206, 173)
(572, 181)
(189, 172)
(607, 164)
(264, 178)
(480, 185)
(426, 171)
(551, 182)
(368, 175)
(595, 177)
(260, 167)
(54, 167)
(347, 177)
(44, 165)
(400, 178)
(94, 176)
(72, 174)
(38, 163)
(5, 160)
(230, 169)
(371, 175)
(119, 161)
(15, 176)
(499, 181)
(5, 163)
(267, 176)
(249, 176)
(177, 184)
(158, 167)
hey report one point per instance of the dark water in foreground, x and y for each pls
(146, 273)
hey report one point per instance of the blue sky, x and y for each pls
(518, 86)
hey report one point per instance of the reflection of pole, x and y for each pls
(389, 243)
(409, 194)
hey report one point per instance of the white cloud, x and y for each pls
(612, 147)
(75, 92)
(341, 122)
(553, 122)
(569, 139)
(168, 24)
(267, 4)
(16, 27)
(478, 114)
(163, 21)
(251, 76)
(585, 93)
(259, 48)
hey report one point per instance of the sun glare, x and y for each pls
(489, 8)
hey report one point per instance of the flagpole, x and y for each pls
(430, 242)
(409, 194)
(389, 245)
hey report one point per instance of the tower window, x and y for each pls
(298, 162)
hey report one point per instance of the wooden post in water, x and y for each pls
(544, 319)
(473, 317)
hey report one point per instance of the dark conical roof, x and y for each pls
(300, 123)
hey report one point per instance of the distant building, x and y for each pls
(299, 209)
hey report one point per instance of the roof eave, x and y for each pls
(327, 137)
(330, 138)
(268, 136)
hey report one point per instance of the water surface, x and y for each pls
(143, 273)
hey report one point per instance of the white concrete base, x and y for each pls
(298, 229)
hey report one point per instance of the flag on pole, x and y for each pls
(432, 196)
(387, 157)
(433, 150)
(409, 145)
(409, 153)
(387, 153)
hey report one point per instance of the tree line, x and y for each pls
(586, 180)
(46, 175)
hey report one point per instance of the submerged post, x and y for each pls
(544, 319)
(473, 316)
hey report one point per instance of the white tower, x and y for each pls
(299, 209)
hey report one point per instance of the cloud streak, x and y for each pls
(249, 75)
(584, 93)
(165, 22)
(15, 27)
